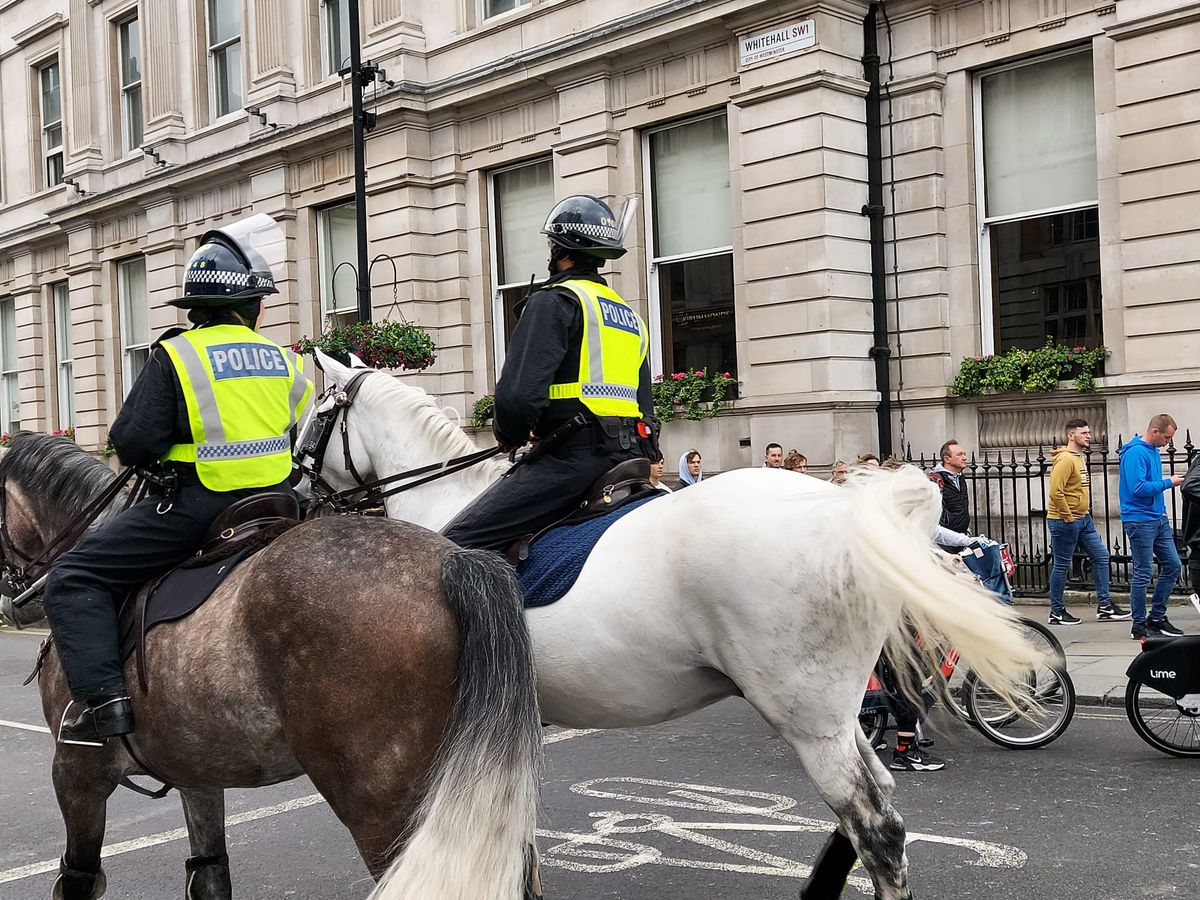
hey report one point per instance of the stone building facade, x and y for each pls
(1041, 172)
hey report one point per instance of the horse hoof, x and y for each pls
(72, 885)
(208, 878)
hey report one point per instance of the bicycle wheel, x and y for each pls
(1038, 634)
(1162, 722)
(874, 725)
(1033, 725)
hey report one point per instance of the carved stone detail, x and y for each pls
(945, 32)
(1051, 14)
(997, 21)
(83, 143)
(656, 85)
(1020, 424)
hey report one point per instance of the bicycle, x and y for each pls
(1050, 691)
(1162, 698)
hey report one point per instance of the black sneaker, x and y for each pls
(1162, 626)
(1063, 618)
(1112, 613)
(915, 760)
(1138, 632)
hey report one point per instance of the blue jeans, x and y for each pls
(1064, 537)
(1149, 541)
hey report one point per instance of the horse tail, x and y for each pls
(891, 558)
(476, 825)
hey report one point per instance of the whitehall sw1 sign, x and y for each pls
(778, 41)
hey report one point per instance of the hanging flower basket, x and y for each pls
(381, 345)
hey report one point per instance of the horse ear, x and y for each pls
(334, 370)
(356, 363)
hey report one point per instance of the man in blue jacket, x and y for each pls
(1144, 515)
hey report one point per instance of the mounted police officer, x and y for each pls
(209, 417)
(575, 377)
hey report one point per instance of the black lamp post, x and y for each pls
(360, 77)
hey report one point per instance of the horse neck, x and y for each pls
(395, 443)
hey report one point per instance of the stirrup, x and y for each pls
(85, 730)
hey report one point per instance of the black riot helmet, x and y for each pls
(586, 224)
(233, 265)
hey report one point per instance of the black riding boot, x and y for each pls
(102, 718)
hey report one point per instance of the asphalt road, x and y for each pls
(712, 806)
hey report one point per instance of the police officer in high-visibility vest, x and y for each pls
(210, 417)
(576, 373)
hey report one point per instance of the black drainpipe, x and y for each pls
(874, 210)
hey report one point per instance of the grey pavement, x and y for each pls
(1098, 653)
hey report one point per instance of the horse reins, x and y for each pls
(29, 576)
(366, 494)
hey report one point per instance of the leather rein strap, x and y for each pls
(367, 494)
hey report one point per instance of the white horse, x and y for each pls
(762, 583)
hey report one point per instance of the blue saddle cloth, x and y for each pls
(556, 559)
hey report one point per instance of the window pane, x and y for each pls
(495, 7)
(692, 204)
(12, 404)
(524, 197)
(8, 336)
(224, 20)
(66, 395)
(53, 137)
(697, 306)
(135, 305)
(227, 66)
(339, 237)
(62, 321)
(1039, 136)
(1047, 282)
(54, 169)
(133, 118)
(131, 64)
(51, 95)
(337, 23)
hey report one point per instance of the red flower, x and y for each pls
(726, 375)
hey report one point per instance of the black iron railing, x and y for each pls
(1008, 504)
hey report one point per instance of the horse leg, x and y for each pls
(84, 779)
(838, 856)
(208, 866)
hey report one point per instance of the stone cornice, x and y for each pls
(1156, 22)
(931, 81)
(40, 29)
(829, 80)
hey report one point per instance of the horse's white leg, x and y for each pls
(857, 788)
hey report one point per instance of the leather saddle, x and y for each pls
(246, 527)
(623, 483)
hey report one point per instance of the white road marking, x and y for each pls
(41, 729)
(165, 837)
(568, 734)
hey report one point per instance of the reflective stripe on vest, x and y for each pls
(614, 346)
(244, 394)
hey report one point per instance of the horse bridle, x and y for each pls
(366, 494)
(22, 574)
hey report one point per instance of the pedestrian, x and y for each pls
(1144, 516)
(867, 461)
(948, 476)
(1191, 521)
(773, 458)
(1069, 517)
(840, 472)
(657, 466)
(690, 469)
(795, 461)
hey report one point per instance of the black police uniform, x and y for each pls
(544, 350)
(88, 583)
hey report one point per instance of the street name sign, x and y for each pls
(756, 48)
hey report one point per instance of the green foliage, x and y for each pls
(483, 410)
(692, 395)
(381, 345)
(1029, 371)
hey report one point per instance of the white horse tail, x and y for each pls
(476, 826)
(891, 558)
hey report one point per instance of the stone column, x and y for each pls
(91, 329)
(162, 72)
(25, 292)
(81, 142)
(270, 70)
(165, 251)
(271, 193)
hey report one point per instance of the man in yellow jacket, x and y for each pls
(1069, 517)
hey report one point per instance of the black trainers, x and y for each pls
(101, 719)
(1162, 626)
(1112, 613)
(1063, 618)
(1138, 632)
(915, 760)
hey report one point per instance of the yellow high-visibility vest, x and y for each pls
(244, 394)
(615, 344)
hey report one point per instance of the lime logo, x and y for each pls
(1161, 673)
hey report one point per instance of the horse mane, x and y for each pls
(428, 419)
(57, 475)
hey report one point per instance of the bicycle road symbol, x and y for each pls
(607, 847)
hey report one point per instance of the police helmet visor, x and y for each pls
(262, 240)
